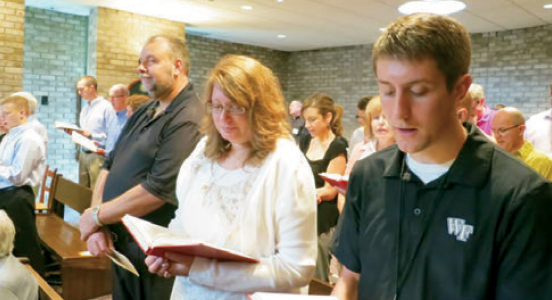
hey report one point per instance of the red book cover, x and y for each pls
(340, 182)
(156, 240)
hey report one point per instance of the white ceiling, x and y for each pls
(307, 24)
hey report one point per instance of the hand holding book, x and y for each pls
(337, 181)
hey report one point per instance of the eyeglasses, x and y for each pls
(502, 131)
(234, 110)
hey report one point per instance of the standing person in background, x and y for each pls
(138, 177)
(484, 113)
(22, 164)
(99, 122)
(508, 128)
(298, 129)
(358, 135)
(326, 152)
(539, 129)
(444, 214)
(246, 187)
(134, 102)
(377, 134)
(118, 95)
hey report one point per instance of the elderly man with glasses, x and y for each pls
(508, 128)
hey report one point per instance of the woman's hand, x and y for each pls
(172, 265)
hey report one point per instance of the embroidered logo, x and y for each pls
(459, 228)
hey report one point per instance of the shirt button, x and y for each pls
(417, 211)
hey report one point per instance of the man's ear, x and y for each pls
(178, 67)
(462, 114)
(461, 88)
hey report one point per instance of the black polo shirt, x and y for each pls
(151, 150)
(481, 231)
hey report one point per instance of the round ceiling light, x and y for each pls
(440, 7)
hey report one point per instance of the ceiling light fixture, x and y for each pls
(282, 36)
(440, 7)
(548, 6)
(247, 7)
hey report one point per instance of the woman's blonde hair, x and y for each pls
(251, 85)
(372, 109)
(325, 105)
(7, 234)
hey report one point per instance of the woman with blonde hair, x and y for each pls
(377, 134)
(246, 187)
(326, 152)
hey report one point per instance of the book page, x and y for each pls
(123, 261)
(63, 125)
(156, 240)
(83, 141)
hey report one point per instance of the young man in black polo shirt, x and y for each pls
(138, 177)
(444, 214)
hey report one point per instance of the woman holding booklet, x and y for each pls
(326, 152)
(246, 187)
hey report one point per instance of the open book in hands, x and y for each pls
(156, 240)
(86, 143)
(69, 126)
(339, 182)
(281, 296)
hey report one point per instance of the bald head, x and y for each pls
(508, 128)
(118, 95)
(295, 108)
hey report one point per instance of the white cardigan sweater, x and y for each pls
(278, 226)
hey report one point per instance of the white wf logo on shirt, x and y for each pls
(459, 228)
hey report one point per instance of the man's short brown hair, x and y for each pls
(421, 36)
(178, 48)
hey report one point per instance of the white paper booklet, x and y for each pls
(63, 125)
(84, 142)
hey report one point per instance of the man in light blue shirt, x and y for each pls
(118, 95)
(99, 122)
(22, 162)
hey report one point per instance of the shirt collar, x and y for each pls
(95, 101)
(18, 129)
(524, 151)
(471, 166)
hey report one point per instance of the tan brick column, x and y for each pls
(12, 20)
(115, 40)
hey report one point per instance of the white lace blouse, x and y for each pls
(268, 212)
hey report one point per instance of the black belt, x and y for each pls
(86, 151)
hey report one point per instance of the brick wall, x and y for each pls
(12, 19)
(344, 73)
(514, 67)
(205, 53)
(118, 40)
(55, 57)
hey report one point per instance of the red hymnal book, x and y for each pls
(156, 240)
(339, 182)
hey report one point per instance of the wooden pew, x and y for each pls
(82, 276)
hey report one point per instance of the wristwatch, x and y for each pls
(95, 211)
